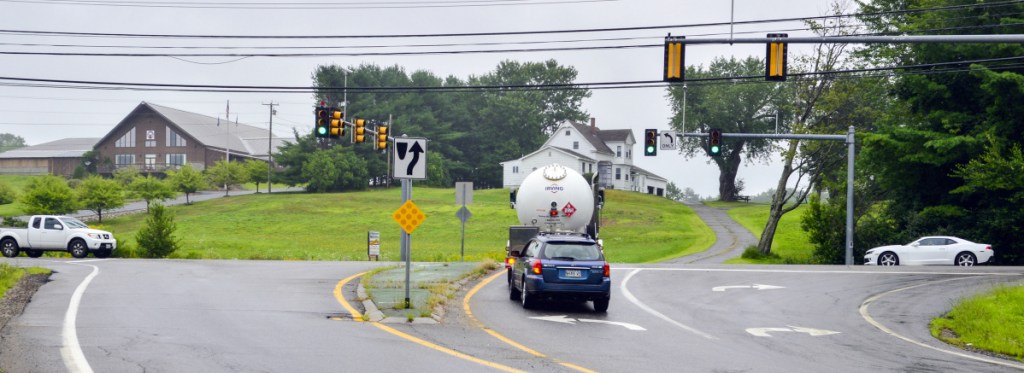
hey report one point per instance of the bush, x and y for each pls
(7, 194)
(156, 237)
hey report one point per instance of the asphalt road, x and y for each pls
(274, 316)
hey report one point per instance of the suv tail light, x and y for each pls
(536, 267)
(607, 270)
(988, 247)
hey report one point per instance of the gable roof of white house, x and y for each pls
(556, 148)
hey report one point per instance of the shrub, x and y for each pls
(156, 237)
(7, 194)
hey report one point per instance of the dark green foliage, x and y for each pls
(98, 194)
(935, 153)
(186, 180)
(470, 131)
(150, 189)
(156, 237)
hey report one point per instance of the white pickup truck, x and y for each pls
(56, 233)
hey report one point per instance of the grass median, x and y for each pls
(991, 321)
(9, 276)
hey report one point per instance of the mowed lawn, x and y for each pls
(18, 183)
(790, 242)
(305, 226)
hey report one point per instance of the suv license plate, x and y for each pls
(573, 273)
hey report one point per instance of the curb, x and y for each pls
(374, 314)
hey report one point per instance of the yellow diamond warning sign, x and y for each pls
(409, 216)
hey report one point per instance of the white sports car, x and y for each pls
(935, 250)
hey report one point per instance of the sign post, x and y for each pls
(410, 164)
(463, 196)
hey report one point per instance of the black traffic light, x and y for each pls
(321, 129)
(337, 129)
(715, 142)
(675, 58)
(650, 142)
(382, 137)
(359, 134)
(775, 63)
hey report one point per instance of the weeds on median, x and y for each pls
(970, 323)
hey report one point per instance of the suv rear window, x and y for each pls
(571, 251)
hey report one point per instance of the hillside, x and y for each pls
(301, 226)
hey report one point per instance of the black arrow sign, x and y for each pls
(415, 150)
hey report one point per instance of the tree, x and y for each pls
(672, 192)
(733, 108)
(149, 189)
(186, 180)
(10, 142)
(156, 237)
(48, 195)
(226, 174)
(256, 172)
(809, 160)
(945, 120)
(98, 194)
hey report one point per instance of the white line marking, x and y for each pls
(867, 316)
(628, 295)
(820, 271)
(71, 351)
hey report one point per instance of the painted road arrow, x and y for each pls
(763, 332)
(754, 286)
(571, 321)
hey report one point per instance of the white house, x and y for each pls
(607, 153)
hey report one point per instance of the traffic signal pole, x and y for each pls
(848, 138)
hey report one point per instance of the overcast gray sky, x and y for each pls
(41, 114)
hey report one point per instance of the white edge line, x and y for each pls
(867, 316)
(829, 271)
(71, 351)
(631, 298)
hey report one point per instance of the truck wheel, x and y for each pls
(78, 249)
(34, 253)
(9, 247)
(102, 254)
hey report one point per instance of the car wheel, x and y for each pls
(78, 249)
(601, 305)
(34, 253)
(102, 254)
(965, 260)
(888, 259)
(525, 297)
(513, 293)
(9, 247)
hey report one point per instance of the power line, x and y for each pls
(355, 5)
(504, 33)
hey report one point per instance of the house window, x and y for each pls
(150, 143)
(174, 139)
(575, 145)
(618, 173)
(126, 141)
(618, 151)
(150, 161)
(583, 167)
(591, 167)
(629, 154)
(515, 169)
(568, 133)
(175, 159)
(123, 160)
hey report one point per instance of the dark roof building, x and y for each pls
(59, 157)
(154, 138)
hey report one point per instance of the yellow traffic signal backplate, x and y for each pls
(409, 216)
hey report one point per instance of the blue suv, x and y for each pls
(561, 266)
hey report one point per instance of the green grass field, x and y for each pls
(992, 321)
(302, 226)
(9, 275)
(790, 243)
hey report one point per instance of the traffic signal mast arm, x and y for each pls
(997, 38)
(770, 136)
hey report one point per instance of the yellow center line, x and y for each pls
(477, 323)
(356, 315)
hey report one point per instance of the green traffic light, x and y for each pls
(650, 149)
(715, 149)
(321, 130)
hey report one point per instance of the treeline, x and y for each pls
(470, 130)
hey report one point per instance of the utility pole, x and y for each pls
(227, 140)
(270, 144)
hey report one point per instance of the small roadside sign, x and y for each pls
(668, 140)
(373, 245)
(463, 214)
(409, 216)
(464, 193)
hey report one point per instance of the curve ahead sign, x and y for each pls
(410, 158)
